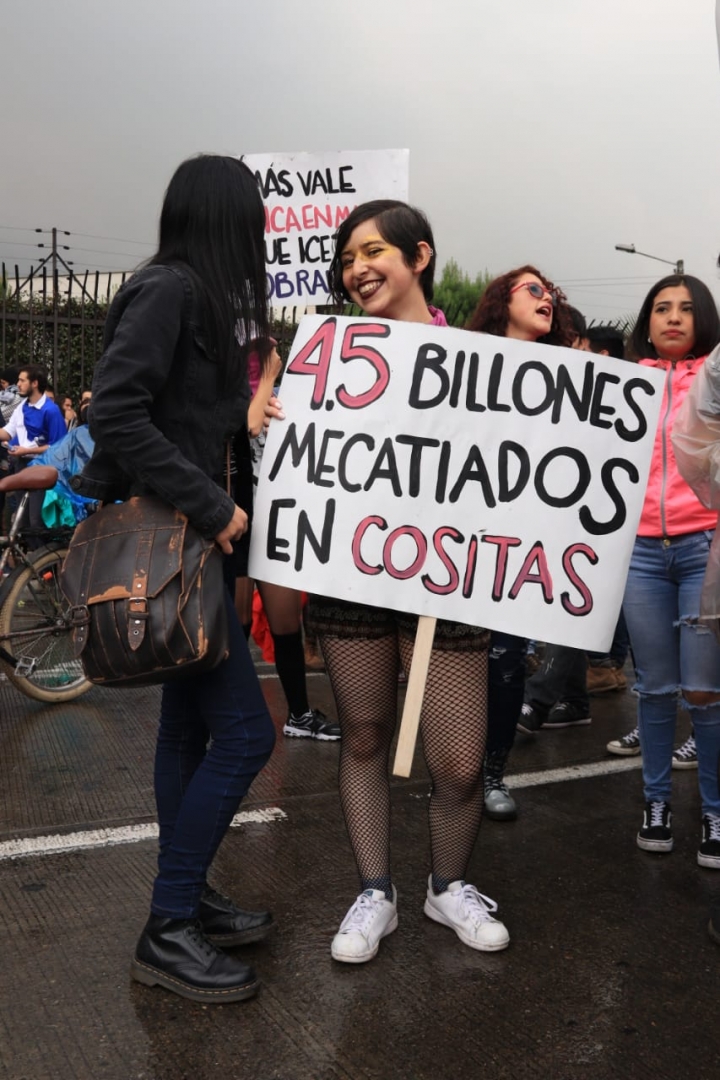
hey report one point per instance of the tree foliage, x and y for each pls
(457, 293)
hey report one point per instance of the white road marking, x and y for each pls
(133, 834)
(308, 675)
(125, 834)
(569, 772)
(574, 772)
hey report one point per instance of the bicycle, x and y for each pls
(35, 620)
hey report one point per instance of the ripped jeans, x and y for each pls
(672, 655)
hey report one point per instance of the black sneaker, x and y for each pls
(530, 720)
(656, 831)
(627, 746)
(685, 757)
(709, 852)
(312, 725)
(565, 714)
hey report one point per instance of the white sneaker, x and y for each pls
(371, 918)
(468, 913)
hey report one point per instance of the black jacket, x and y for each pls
(159, 415)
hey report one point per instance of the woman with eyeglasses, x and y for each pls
(675, 654)
(524, 305)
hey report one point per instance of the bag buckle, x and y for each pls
(138, 607)
(79, 615)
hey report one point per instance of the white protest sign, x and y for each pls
(474, 478)
(307, 196)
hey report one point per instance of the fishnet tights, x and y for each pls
(453, 726)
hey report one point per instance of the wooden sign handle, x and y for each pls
(417, 677)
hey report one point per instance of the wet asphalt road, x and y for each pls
(610, 973)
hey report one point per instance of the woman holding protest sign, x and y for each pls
(675, 654)
(384, 262)
(169, 393)
(524, 305)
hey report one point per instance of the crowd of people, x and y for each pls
(32, 422)
(201, 297)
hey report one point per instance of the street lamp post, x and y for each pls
(631, 250)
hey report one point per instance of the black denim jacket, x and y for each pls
(159, 415)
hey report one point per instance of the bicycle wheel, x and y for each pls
(34, 625)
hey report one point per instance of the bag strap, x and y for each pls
(137, 603)
(80, 613)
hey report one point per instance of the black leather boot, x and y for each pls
(224, 923)
(175, 953)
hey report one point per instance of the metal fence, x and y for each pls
(58, 321)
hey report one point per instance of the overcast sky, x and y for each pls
(539, 130)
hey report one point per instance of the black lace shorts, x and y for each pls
(330, 617)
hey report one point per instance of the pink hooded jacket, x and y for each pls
(671, 508)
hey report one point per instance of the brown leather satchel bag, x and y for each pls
(147, 595)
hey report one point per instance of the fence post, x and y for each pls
(55, 309)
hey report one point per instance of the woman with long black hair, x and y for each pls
(169, 392)
(676, 656)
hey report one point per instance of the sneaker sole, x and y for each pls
(438, 917)
(371, 953)
(710, 862)
(568, 723)
(623, 751)
(150, 976)
(527, 730)
(296, 733)
(654, 845)
(683, 764)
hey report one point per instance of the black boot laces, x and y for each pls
(196, 936)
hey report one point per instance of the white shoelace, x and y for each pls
(713, 827)
(656, 814)
(360, 914)
(688, 750)
(474, 906)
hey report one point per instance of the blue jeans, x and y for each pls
(673, 654)
(215, 736)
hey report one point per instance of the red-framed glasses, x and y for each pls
(538, 291)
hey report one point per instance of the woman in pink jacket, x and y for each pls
(674, 654)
